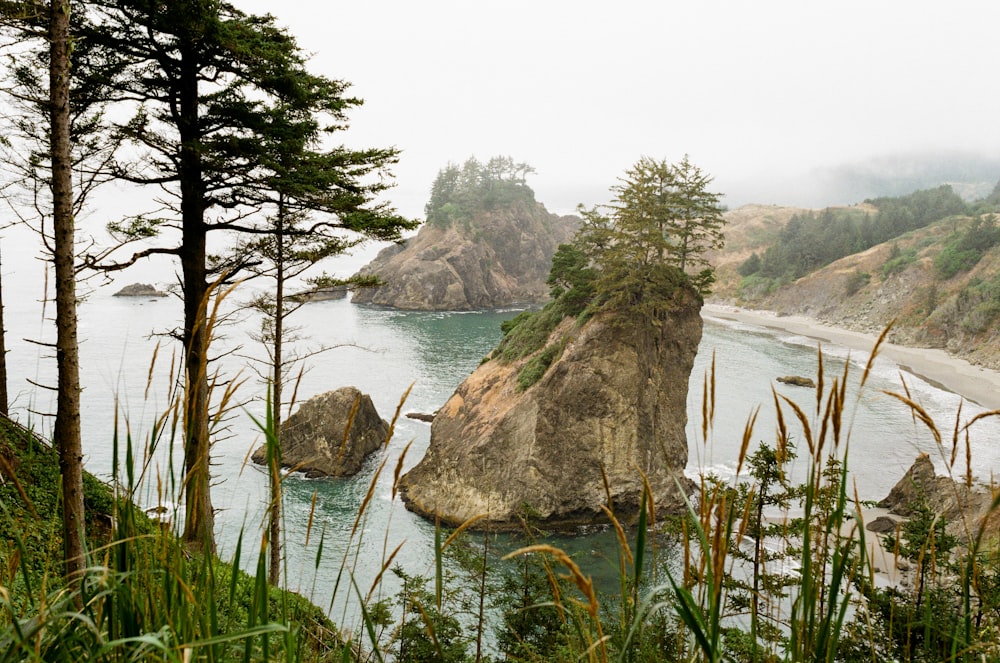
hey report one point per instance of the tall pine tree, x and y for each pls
(202, 79)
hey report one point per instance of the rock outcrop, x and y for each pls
(313, 439)
(140, 290)
(610, 409)
(499, 258)
(965, 509)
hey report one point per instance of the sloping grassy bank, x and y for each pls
(143, 597)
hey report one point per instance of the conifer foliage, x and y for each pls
(225, 116)
(662, 216)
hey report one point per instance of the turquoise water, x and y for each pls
(384, 353)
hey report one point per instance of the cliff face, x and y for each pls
(615, 399)
(500, 257)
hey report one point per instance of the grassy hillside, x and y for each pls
(144, 597)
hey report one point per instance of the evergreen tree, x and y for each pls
(202, 79)
(459, 193)
(659, 224)
(316, 204)
(66, 435)
(48, 126)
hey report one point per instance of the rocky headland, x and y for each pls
(966, 506)
(497, 257)
(937, 283)
(608, 411)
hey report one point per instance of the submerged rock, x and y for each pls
(313, 439)
(499, 258)
(609, 410)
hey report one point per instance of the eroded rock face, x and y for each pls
(615, 399)
(500, 258)
(312, 440)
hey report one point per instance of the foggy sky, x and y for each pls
(766, 96)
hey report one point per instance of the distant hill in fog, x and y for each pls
(971, 176)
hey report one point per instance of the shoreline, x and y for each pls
(973, 383)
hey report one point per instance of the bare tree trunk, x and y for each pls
(4, 399)
(199, 517)
(274, 522)
(67, 428)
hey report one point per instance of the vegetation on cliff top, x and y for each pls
(142, 596)
(632, 256)
(460, 192)
(811, 240)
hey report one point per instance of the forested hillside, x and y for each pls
(928, 260)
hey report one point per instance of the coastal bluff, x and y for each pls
(498, 257)
(610, 409)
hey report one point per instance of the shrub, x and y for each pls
(527, 332)
(750, 266)
(535, 368)
(966, 249)
(756, 286)
(855, 281)
(898, 261)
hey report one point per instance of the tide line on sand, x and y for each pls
(974, 383)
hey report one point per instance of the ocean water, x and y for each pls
(130, 366)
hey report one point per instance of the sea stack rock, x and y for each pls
(610, 408)
(313, 440)
(497, 257)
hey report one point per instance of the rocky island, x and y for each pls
(583, 404)
(140, 290)
(608, 411)
(487, 243)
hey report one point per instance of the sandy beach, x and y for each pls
(976, 384)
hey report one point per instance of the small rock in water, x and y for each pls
(140, 290)
(797, 380)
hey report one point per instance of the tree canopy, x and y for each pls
(224, 116)
(812, 240)
(662, 216)
(628, 257)
(459, 192)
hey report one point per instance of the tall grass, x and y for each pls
(764, 570)
(816, 599)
